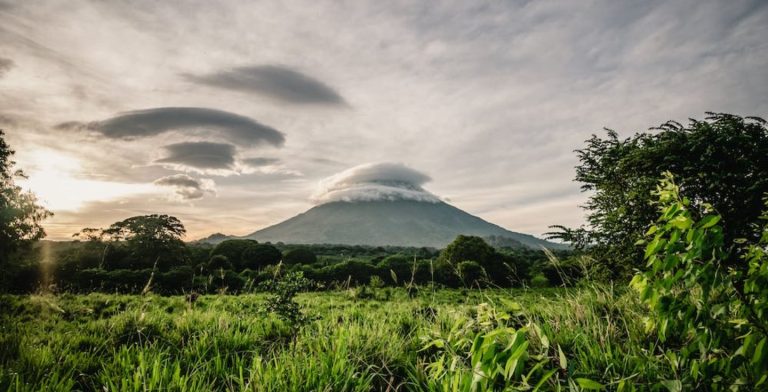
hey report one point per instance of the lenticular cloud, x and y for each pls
(375, 182)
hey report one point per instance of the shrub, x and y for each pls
(233, 250)
(354, 270)
(176, 280)
(257, 256)
(468, 248)
(471, 273)
(227, 281)
(218, 262)
(300, 256)
(396, 268)
(712, 318)
(283, 288)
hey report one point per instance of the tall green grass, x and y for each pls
(223, 343)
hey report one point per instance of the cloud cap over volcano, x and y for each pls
(383, 181)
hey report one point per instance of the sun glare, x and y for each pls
(53, 177)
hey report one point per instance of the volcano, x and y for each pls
(389, 222)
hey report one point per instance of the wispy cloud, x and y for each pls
(189, 120)
(261, 161)
(5, 65)
(186, 187)
(274, 81)
(200, 155)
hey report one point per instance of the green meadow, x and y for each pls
(359, 340)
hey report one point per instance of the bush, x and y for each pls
(469, 248)
(402, 266)
(219, 262)
(176, 280)
(257, 256)
(358, 272)
(300, 256)
(565, 272)
(227, 281)
(712, 318)
(233, 250)
(283, 288)
(471, 273)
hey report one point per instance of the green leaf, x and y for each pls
(681, 222)
(760, 353)
(586, 383)
(673, 385)
(544, 379)
(563, 360)
(709, 221)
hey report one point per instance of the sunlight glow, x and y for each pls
(53, 177)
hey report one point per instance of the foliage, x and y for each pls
(301, 255)
(396, 266)
(233, 250)
(20, 214)
(283, 288)
(471, 273)
(721, 161)
(468, 248)
(218, 262)
(150, 240)
(710, 315)
(484, 353)
(351, 271)
(257, 256)
(510, 268)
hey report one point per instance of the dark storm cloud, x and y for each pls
(273, 81)
(186, 187)
(150, 122)
(5, 65)
(201, 155)
(259, 162)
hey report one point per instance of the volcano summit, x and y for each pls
(385, 204)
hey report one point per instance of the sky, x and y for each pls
(236, 115)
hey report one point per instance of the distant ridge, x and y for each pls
(215, 238)
(385, 222)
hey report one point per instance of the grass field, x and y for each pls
(383, 340)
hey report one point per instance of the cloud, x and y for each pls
(260, 162)
(274, 81)
(375, 182)
(191, 120)
(5, 65)
(186, 187)
(201, 155)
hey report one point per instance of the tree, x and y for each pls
(468, 248)
(300, 256)
(471, 273)
(20, 214)
(219, 262)
(721, 161)
(149, 239)
(258, 256)
(233, 249)
(498, 268)
(283, 288)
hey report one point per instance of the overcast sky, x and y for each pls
(230, 114)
